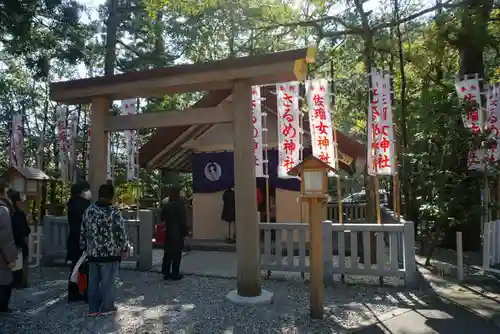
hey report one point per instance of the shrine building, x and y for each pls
(206, 151)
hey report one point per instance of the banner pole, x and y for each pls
(63, 151)
(339, 189)
(395, 190)
(301, 153)
(377, 200)
(137, 166)
(395, 178)
(498, 197)
(496, 94)
(374, 160)
(138, 188)
(483, 103)
(88, 120)
(266, 162)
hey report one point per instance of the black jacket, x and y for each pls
(76, 207)
(228, 209)
(174, 216)
(20, 230)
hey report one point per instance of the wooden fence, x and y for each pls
(56, 230)
(35, 245)
(132, 214)
(289, 255)
(350, 212)
(285, 248)
(391, 257)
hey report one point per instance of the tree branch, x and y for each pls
(408, 60)
(315, 23)
(356, 30)
(139, 55)
(393, 23)
(146, 56)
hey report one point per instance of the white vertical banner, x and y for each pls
(61, 113)
(289, 131)
(381, 148)
(16, 141)
(257, 131)
(320, 121)
(73, 127)
(109, 171)
(469, 94)
(493, 120)
(476, 159)
(128, 107)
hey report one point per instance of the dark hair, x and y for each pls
(79, 187)
(4, 185)
(14, 197)
(106, 192)
(174, 194)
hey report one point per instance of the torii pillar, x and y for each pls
(98, 155)
(247, 222)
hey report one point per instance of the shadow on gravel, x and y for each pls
(198, 305)
(435, 314)
(439, 316)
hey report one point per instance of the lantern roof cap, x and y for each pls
(310, 162)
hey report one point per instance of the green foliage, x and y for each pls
(41, 31)
(435, 159)
(127, 194)
(46, 40)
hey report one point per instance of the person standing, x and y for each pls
(21, 231)
(229, 213)
(104, 239)
(77, 204)
(173, 216)
(8, 251)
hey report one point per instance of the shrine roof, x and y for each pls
(154, 150)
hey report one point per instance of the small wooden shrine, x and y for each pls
(27, 180)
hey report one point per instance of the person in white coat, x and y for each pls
(8, 251)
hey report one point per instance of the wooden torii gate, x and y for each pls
(237, 74)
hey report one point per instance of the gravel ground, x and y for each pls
(197, 305)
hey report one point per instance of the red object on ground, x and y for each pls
(259, 196)
(82, 283)
(159, 235)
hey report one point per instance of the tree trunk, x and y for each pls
(404, 179)
(159, 49)
(370, 180)
(473, 36)
(472, 40)
(111, 37)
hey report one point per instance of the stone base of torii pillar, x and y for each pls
(265, 298)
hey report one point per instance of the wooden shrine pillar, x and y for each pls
(98, 157)
(247, 228)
